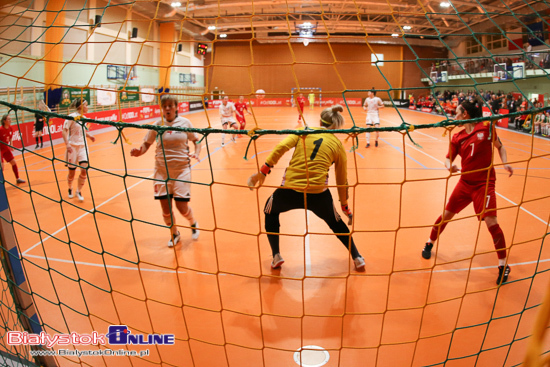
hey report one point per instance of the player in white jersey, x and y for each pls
(372, 105)
(73, 133)
(172, 166)
(227, 117)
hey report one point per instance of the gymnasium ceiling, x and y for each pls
(271, 21)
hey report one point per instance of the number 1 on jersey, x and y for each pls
(317, 146)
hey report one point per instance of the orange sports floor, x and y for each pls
(105, 261)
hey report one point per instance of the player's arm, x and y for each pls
(365, 105)
(450, 158)
(380, 104)
(65, 134)
(196, 141)
(144, 147)
(284, 146)
(90, 136)
(503, 156)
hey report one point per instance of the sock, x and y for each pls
(36, 140)
(81, 181)
(189, 215)
(368, 138)
(41, 140)
(501, 262)
(498, 240)
(15, 171)
(437, 229)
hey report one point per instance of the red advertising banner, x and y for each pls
(426, 109)
(412, 107)
(183, 107)
(504, 121)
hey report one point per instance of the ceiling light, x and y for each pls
(306, 24)
(407, 27)
(395, 35)
(176, 4)
(223, 35)
(445, 4)
(211, 27)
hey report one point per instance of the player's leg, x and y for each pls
(169, 218)
(71, 165)
(322, 205)
(82, 157)
(15, 170)
(234, 126)
(300, 114)
(224, 126)
(280, 201)
(182, 196)
(41, 137)
(485, 204)
(460, 198)
(36, 137)
(369, 124)
(377, 134)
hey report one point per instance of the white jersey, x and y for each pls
(76, 130)
(372, 104)
(172, 149)
(226, 112)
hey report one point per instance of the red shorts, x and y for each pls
(483, 198)
(7, 155)
(241, 121)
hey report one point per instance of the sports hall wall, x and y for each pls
(271, 67)
(88, 48)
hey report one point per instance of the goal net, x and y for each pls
(93, 282)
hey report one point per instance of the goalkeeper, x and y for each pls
(305, 183)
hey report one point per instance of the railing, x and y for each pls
(30, 96)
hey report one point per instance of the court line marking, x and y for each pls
(100, 205)
(170, 271)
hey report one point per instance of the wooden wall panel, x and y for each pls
(277, 68)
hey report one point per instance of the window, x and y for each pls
(472, 46)
(495, 41)
(377, 57)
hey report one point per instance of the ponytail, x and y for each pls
(331, 117)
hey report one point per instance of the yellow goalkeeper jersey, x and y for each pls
(311, 161)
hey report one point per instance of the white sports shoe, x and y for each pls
(277, 261)
(174, 239)
(359, 263)
(195, 231)
(79, 196)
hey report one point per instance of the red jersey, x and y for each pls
(240, 107)
(5, 137)
(301, 102)
(476, 152)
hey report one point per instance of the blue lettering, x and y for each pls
(134, 339)
(118, 334)
(156, 339)
(168, 339)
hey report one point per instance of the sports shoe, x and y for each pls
(174, 239)
(427, 252)
(20, 181)
(79, 196)
(36, 147)
(71, 194)
(223, 145)
(376, 143)
(233, 138)
(503, 273)
(368, 145)
(277, 261)
(195, 231)
(359, 263)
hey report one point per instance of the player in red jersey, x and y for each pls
(240, 107)
(6, 134)
(300, 103)
(475, 146)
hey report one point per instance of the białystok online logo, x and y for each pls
(116, 335)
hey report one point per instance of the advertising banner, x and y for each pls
(69, 94)
(147, 95)
(128, 94)
(106, 97)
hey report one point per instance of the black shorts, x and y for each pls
(321, 204)
(38, 127)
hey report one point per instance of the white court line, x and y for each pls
(90, 212)
(221, 273)
(82, 216)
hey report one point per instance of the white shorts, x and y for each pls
(78, 156)
(230, 120)
(177, 187)
(373, 118)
